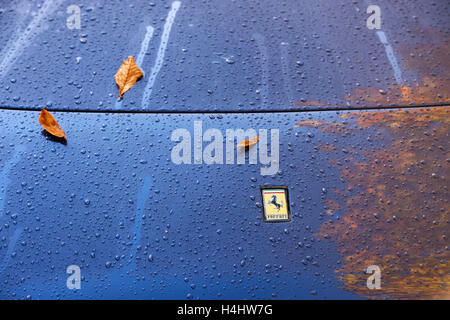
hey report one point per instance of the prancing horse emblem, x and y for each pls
(275, 203)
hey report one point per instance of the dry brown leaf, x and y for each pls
(248, 142)
(50, 124)
(127, 75)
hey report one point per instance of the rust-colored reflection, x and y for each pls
(394, 209)
(308, 123)
(428, 82)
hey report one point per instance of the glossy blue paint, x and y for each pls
(111, 200)
(4, 174)
(139, 226)
(214, 55)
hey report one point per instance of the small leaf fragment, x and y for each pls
(127, 75)
(248, 142)
(309, 123)
(50, 124)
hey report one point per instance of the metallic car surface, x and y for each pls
(360, 117)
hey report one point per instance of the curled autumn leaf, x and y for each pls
(50, 124)
(248, 142)
(127, 75)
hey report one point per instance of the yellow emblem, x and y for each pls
(275, 204)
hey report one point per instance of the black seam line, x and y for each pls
(316, 109)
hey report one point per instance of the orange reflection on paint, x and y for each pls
(394, 208)
(308, 123)
(428, 83)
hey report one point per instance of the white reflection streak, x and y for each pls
(285, 68)
(15, 46)
(141, 55)
(392, 59)
(144, 46)
(161, 53)
(265, 68)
